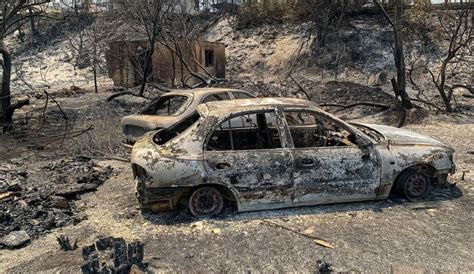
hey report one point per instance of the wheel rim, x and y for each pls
(416, 185)
(206, 201)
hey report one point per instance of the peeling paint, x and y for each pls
(287, 176)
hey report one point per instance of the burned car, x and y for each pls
(174, 107)
(270, 153)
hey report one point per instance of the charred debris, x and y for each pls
(36, 199)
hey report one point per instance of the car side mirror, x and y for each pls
(366, 147)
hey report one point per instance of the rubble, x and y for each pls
(15, 239)
(69, 177)
(37, 199)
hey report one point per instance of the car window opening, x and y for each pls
(165, 135)
(246, 132)
(167, 106)
(216, 97)
(242, 95)
(371, 133)
(310, 130)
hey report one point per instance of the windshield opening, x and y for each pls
(377, 136)
(172, 105)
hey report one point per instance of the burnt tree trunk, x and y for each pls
(94, 70)
(147, 69)
(441, 85)
(33, 27)
(400, 55)
(7, 70)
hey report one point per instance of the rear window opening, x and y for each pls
(163, 136)
(172, 105)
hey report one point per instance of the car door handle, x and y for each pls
(222, 166)
(307, 162)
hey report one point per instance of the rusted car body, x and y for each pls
(172, 108)
(270, 153)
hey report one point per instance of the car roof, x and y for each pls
(198, 92)
(220, 108)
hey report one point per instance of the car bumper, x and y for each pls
(159, 199)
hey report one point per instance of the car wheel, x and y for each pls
(206, 202)
(413, 185)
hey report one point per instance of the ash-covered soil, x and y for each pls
(434, 234)
(48, 157)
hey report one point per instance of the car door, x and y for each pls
(246, 152)
(329, 164)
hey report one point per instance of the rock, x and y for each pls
(136, 270)
(59, 202)
(216, 231)
(118, 89)
(3, 186)
(16, 239)
(5, 195)
(378, 79)
(461, 91)
(14, 187)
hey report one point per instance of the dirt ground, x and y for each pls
(382, 236)
(436, 234)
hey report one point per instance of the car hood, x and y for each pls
(403, 136)
(148, 122)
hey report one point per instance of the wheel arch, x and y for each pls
(228, 193)
(428, 168)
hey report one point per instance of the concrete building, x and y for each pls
(126, 62)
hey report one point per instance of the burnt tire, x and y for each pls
(413, 185)
(206, 202)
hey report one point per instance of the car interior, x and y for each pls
(259, 131)
(246, 132)
(309, 130)
(167, 106)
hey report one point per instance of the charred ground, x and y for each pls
(376, 236)
(56, 164)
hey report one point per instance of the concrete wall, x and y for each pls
(125, 62)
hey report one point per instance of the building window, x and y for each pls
(209, 55)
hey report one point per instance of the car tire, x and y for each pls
(413, 185)
(206, 202)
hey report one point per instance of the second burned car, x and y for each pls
(279, 152)
(175, 109)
